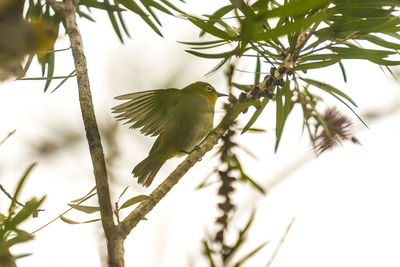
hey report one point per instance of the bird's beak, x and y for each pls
(221, 94)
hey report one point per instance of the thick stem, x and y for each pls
(114, 240)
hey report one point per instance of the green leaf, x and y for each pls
(208, 252)
(335, 93)
(113, 21)
(343, 71)
(212, 19)
(257, 73)
(122, 193)
(282, 110)
(167, 3)
(291, 27)
(243, 233)
(85, 209)
(316, 65)
(99, 5)
(86, 197)
(66, 220)
(210, 28)
(21, 237)
(131, 5)
(21, 183)
(295, 8)
(148, 8)
(218, 66)
(330, 89)
(72, 74)
(85, 15)
(133, 201)
(256, 114)
(29, 208)
(250, 254)
(218, 55)
(381, 42)
(158, 6)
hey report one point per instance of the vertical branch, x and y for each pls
(114, 239)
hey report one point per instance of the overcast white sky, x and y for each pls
(345, 202)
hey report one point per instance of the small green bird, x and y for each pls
(181, 118)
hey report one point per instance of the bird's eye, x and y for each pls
(209, 89)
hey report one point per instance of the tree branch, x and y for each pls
(233, 112)
(211, 140)
(114, 241)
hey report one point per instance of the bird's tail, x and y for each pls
(147, 169)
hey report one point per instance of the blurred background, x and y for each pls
(345, 202)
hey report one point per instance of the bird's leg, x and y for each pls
(196, 147)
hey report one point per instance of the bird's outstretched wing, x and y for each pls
(147, 109)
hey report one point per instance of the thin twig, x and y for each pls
(278, 247)
(62, 214)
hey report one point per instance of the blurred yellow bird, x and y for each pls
(180, 118)
(19, 38)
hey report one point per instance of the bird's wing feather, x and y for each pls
(147, 110)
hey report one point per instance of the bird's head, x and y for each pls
(206, 90)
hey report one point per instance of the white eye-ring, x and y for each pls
(209, 89)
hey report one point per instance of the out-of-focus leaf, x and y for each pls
(291, 27)
(158, 6)
(113, 21)
(99, 5)
(86, 16)
(243, 7)
(287, 108)
(22, 255)
(66, 220)
(21, 237)
(279, 121)
(21, 183)
(250, 254)
(168, 4)
(219, 65)
(243, 233)
(209, 28)
(244, 177)
(381, 42)
(217, 15)
(148, 8)
(316, 65)
(329, 88)
(294, 8)
(218, 55)
(256, 114)
(131, 5)
(29, 208)
(85, 209)
(335, 93)
(133, 201)
(208, 252)
(47, 60)
(86, 197)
